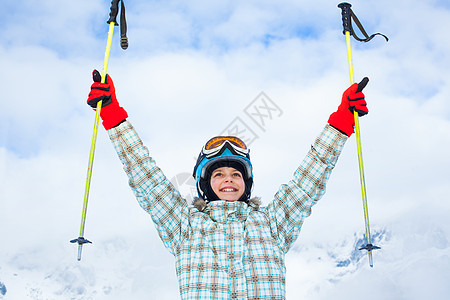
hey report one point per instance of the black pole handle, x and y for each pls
(345, 7)
(362, 84)
(114, 12)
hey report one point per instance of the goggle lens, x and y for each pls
(218, 141)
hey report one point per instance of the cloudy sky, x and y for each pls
(195, 69)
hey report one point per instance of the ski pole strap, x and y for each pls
(347, 16)
(123, 21)
(123, 28)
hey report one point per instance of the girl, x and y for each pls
(225, 244)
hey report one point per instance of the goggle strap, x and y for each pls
(243, 160)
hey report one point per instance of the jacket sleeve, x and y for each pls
(294, 200)
(154, 192)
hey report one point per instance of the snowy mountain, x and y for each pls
(116, 269)
(2, 289)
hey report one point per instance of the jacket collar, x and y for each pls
(220, 211)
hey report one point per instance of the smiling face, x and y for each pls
(227, 183)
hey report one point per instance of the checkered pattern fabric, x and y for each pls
(230, 250)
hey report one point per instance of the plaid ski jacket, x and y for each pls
(228, 250)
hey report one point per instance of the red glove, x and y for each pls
(111, 113)
(352, 100)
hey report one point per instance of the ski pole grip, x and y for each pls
(114, 12)
(345, 7)
(362, 84)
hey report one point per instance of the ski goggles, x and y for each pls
(218, 144)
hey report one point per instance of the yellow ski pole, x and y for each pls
(347, 31)
(112, 22)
